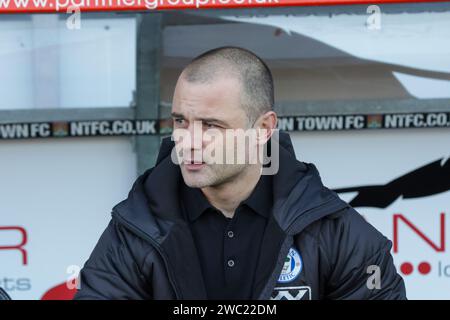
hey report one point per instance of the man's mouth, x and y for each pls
(193, 165)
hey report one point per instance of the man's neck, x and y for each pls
(227, 196)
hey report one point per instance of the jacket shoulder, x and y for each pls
(352, 251)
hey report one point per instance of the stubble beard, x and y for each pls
(213, 175)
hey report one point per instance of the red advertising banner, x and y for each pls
(69, 6)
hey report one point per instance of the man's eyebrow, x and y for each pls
(214, 120)
(179, 115)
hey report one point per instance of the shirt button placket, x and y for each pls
(229, 252)
(230, 262)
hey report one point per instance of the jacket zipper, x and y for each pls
(153, 242)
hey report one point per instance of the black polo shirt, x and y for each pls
(228, 248)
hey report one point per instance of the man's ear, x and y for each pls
(265, 126)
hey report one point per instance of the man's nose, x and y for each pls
(196, 135)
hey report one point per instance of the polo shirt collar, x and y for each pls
(260, 200)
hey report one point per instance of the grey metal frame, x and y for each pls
(362, 107)
(300, 108)
(69, 114)
(149, 44)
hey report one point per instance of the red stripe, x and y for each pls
(31, 8)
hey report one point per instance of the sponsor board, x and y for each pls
(95, 128)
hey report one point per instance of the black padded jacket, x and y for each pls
(316, 246)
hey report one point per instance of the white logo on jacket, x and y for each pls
(292, 266)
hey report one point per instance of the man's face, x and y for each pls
(209, 109)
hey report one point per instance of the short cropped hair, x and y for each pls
(257, 82)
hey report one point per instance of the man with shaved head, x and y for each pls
(228, 212)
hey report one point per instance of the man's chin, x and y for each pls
(195, 183)
(194, 178)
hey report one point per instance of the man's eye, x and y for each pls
(179, 121)
(210, 125)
